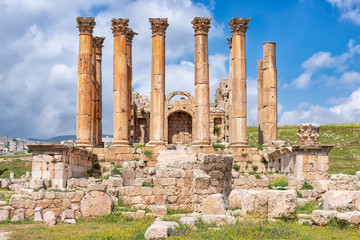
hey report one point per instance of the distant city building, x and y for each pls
(18, 145)
(68, 142)
(107, 141)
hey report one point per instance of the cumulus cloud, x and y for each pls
(38, 70)
(349, 9)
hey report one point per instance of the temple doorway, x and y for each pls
(180, 128)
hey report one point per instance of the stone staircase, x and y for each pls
(182, 153)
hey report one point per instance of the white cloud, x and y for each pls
(349, 9)
(348, 111)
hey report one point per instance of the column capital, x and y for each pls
(119, 26)
(98, 42)
(158, 26)
(230, 42)
(129, 36)
(239, 25)
(85, 25)
(201, 25)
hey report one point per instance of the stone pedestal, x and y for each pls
(84, 84)
(202, 100)
(98, 45)
(129, 37)
(269, 96)
(120, 83)
(157, 94)
(238, 108)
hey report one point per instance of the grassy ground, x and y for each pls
(344, 158)
(18, 166)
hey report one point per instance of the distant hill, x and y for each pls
(61, 138)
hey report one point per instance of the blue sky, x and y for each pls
(318, 51)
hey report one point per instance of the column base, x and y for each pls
(239, 144)
(120, 143)
(156, 143)
(83, 144)
(200, 143)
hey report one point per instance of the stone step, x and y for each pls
(172, 155)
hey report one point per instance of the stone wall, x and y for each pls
(59, 162)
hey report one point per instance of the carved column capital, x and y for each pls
(119, 26)
(239, 25)
(230, 42)
(98, 42)
(129, 36)
(308, 134)
(201, 25)
(158, 26)
(85, 25)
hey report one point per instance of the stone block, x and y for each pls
(97, 187)
(334, 200)
(50, 218)
(350, 218)
(67, 214)
(189, 221)
(254, 203)
(282, 204)
(116, 182)
(4, 213)
(38, 216)
(96, 203)
(219, 220)
(160, 230)
(216, 204)
(322, 217)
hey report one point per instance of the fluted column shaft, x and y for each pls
(157, 95)
(94, 105)
(269, 111)
(84, 84)
(120, 83)
(238, 29)
(260, 101)
(230, 87)
(98, 43)
(202, 100)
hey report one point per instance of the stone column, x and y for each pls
(157, 97)
(83, 113)
(98, 43)
(238, 28)
(129, 37)
(230, 88)
(202, 100)
(120, 83)
(94, 106)
(260, 101)
(269, 111)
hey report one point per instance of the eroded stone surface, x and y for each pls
(216, 204)
(95, 204)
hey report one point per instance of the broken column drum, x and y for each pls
(120, 83)
(84, 84)
(201, 136)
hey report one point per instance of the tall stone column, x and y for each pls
(230, 88)
(120, 83)
(98, 44)
(260, 101)
(129, 37)
(94, 106)
(238, 28)
(269, 111)
(201, 26)
(157, 97)
(83, 113)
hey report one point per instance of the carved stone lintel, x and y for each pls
(119, 26)
(85, 25)
(129, 36)
(98, 42)
(308, 134)
(158, 26)
(201, 25)
(230, 42)
(239, 25)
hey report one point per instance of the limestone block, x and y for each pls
(350, 218)
(201, 180)
(96, 203)
(5, 183)
(169, 173)
(67, 214)
(116, 182)
(4, 213)
(322, 217)
(97, 187)
(50, 218)
(302, 202)
(320, 186)
(159, 210)
(160, 230)
(334, 200)
(19, 215)
(216, 204)
(282, 204)
(189, 221)
(38, 216)
(140, 214)
(220, 220)
(254, 203)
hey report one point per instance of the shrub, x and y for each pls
(147, 184)
(254, 168)
(246, 166)
(218, 146)
(279, 182)
(97, 166)
(236, 167)
(135, 159)
(217, 130)
(257, 176)
(142, 112)
(306, 185)
(218, 140)
(244, 154)
(102, 160)
(116, 170)
(148, 153)
(249, 162)
(263, 161)
(298, 194)
(104, 169)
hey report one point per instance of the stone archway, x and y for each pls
(179, 127)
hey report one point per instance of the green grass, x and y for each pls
(179, 211)
(308, 208)
(278, 182)
(344, 158)
(16, 155)
(5, 195)
(17, 166)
